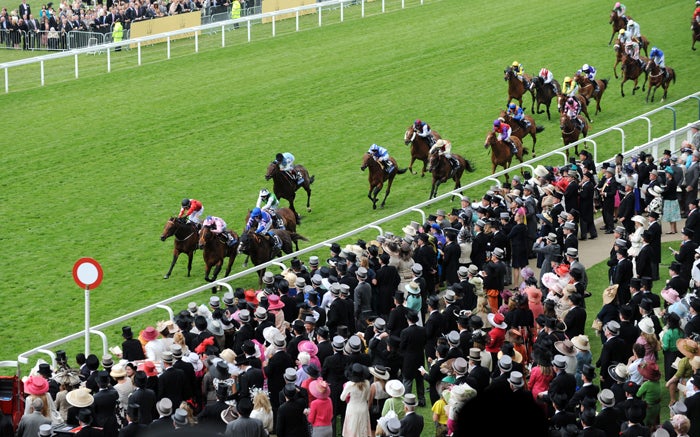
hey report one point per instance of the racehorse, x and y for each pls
(543, 94)
(377, 177)
(289, 221)
(419, 147)
(618, 22)
(696, 33)
(215, 250)
(516, 87)
(260, 249)
(631, 70)
(501, 154)
(442, 170)
(587, 90)
(570, 130)
(185, 234)
(658, 79)
(561, 102)
(285, 187)
(519, 131)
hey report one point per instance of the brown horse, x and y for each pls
(588, 91)
(289, 221)
(260, 248)
(285, 187)
(561, 101)
(377, 177)
(570, 131)
(184, 233)
(501, 154)
(521, 132)
(631, 70)
(658, 79)
(215, 250)
(419, 148)
(696, 34)
(618, 22)
(516, 87)
(442, 170)
(544, 93)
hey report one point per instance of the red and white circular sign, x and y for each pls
(87, 273)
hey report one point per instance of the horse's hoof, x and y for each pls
(308, 209)
(166, 276)
(534, 155)
(245, 265)
(374, 206)
(208, 280)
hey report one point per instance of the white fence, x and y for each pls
(210, 27)
(670, 141)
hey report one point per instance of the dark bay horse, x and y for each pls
(696, 34)
(587, 90)
(441, 169)
(519, 131)
(544, 93)
(419, 148)
(658, 79)
(561, 101)
(631, 70)
(618, 22)
(184, 233)
(288, 217)
(501, 154)
(377, 177)
(570, 131)
(260, 248)
(516, 87)
(215, 250)
(285, 187)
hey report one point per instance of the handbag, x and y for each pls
(376, 409)
(617, 198)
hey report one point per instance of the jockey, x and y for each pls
(631, 46)
(548, 77)
(423, 130)
(192, 209)
(504, 131)
(218, 227)
(633, 29)
(569, 87)
(381, 155)
(444, 147)
(269, 202)
(573, 108)
(263, 225)
(517, 68)
(516, 113)
(619, 8)
(286, 162)
(696, 14)
(657, 56)
(589, 71)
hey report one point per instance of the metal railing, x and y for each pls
(671, 141)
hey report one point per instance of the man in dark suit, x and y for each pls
(105, 405)
(622, 275)
(608, 419)
(172, 381)
(275, 368)
(575, 318)
(426, 256)
(412, 348)
(607, 187)
(563, 382)
(480, 244)
(625, 211)
(685, 255)
(692, 175)
(693, 325)
(412, 423)
(434, 326)
(693, 219)
(333, 371)
(337, 315)
(645, 257)
(209, 419)
(299, 336)
(614, 351)
(692, 404)
(571, 193)
(450, 261)
(144, 397)
(245, 332)
(132, 349)
(587, 208)
(654, 230)
(249, 378)
(135, 427)
(164, 423)
(24, 10)
(388, 281)
(675, 281)
(397, 317)
(191, 386)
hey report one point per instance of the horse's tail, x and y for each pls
(297, 237)
(525, 151)
(605, 81)
(401, 170)
(469, 166)
(539, 128)
(672, 73)
(312, 178)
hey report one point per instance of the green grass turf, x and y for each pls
(95, 166)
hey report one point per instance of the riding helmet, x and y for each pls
(185, 203)
(279, 157)
(496, 123)
(255, 212)
(622, 31)
(516, 63)
(585, 67)
(567, 79)
(417, 122)
(512, 106)
(264, 192)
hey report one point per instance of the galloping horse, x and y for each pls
(696, 34)
(285, 187)
(185, 235)
(216, 248)
(561, 102)
(501, 154)
(519, 131)
(377, 177)
(260, 248)
(587, 90)
(618, 22)
(289, 220)
(441, 169)
(419, 148)
(543, 94)
(631, 70)
(658, 79)
(516, 87)
(570, 130)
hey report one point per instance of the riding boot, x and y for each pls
(581, 124)
(300, 178)
(455, 163)
(231, 240)
(389, 167)
(513, 147)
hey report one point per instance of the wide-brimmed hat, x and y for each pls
(639, 219)
(379, 372)
(412, 287)
(646, 325)
(687, 347)
(497, 320)
(319, 389)
(618, 372)
(649, 370)
(507, 349)
(308, 346)
(68, 377)
(118, 371)
(274, 302)
(149, 368)
(565, 347)
(357, 373)
(670, 295)
(251, 296)
(150, 333)
(610, 293)
(581, 342)
(80, 397)
(394, 388)
(36, 385)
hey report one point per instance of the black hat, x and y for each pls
(290, 390)
(636, 283)
(335, 248)
(127, 333)
(412, 316)
(242, 359)
(61, 356)
(588, 371)
(85, 415)
(398, 295)
(45, 370)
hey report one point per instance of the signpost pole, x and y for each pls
(87, 320)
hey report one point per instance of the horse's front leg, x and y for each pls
(172, 264)
(410, 165)
(189, 262)
(386, 193)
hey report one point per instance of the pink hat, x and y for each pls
(274, 302)
(308, 346)
(670, 295)
(149, 367)
(36, 385)
(534, 294)
(149, 333)
(319, 389)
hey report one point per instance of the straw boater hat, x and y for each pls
(379, 372)
(618, 372)
(394, 388)
(610, 293)
(581, 342)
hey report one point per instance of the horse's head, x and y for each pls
(613, 16)
(272, 169)
(243, 242)
(409, 135)
(366, 159)
(490, 139)
(536, 82)
(508, 73)
(433, 161)
(204, 235)
(169, 229)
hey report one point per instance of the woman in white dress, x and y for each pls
(356, 394)
(640, 224)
